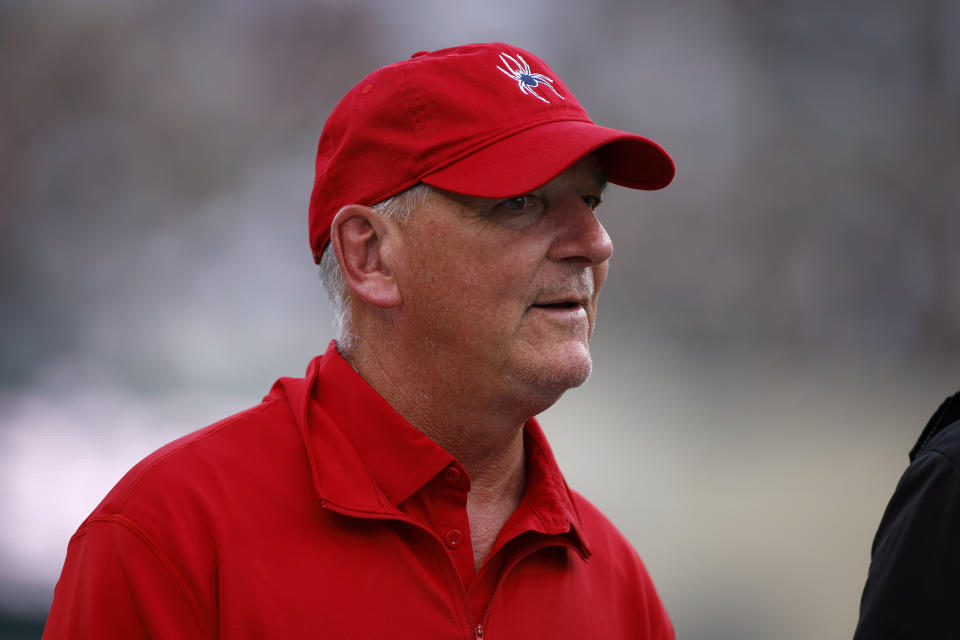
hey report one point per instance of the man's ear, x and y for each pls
(357, 234)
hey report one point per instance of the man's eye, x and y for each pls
(517, 204)
(592, 202)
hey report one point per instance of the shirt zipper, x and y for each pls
(479, 632)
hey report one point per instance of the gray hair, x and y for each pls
(399, 208)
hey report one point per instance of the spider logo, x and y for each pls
(527, 81)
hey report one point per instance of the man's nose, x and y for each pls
(580, 237)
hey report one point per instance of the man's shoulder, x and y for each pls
(911, 585)
(945, 443)
(616, 570)
(204, 467)
(941, 435)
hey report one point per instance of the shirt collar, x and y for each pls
(366, 457)
(364, 454)
(547, 505)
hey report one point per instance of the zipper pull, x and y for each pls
(479, 632)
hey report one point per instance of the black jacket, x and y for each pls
(913, 587)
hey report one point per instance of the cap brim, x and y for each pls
(533, 157)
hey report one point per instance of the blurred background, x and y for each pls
(778, 325)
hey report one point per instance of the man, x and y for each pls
(403, 488)
(912, 588)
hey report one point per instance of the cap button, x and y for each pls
(419, 53)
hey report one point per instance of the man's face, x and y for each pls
(503, 293)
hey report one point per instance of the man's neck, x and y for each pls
(497, 470)
(496, 490)
(485, 437)
(472, 419)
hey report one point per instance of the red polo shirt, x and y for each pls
(321, 512)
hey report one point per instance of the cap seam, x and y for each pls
(417, 106)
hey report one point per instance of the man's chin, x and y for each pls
(556, 375)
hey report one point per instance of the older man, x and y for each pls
(403, 488)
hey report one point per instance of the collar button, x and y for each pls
(453, 539)
(452, 475)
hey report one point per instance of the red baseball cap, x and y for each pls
(487, 120)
